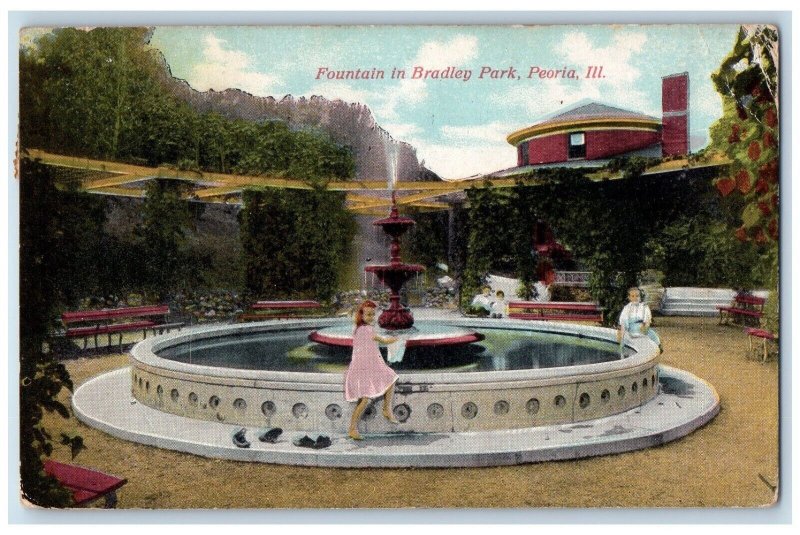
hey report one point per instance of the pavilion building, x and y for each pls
(591, 134)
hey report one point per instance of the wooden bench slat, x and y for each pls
(759, 333)
(111, 321)
(86, 484)
(106, 329)
(553, 305)
(555, 317)
(743, 306)
(555, 311)
(108, 314)
(83, 331)
(133, 326)
(750, 299)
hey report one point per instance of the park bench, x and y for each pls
(270, 310)
(86, 484)
(764, 336)
(555, 311)
(745, 308)
(111, 321)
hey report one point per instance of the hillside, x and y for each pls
(352, 125)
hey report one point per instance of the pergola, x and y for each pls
(363, 196)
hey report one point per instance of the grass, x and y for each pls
(719, 465)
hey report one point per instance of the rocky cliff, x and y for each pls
(352, 125)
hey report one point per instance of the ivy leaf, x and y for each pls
(75, 442)
(751, 215)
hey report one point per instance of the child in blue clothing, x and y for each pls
(635, 318)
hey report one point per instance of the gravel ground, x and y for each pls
(732, 461)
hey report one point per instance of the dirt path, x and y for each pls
(718, 465)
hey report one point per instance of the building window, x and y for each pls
(523, 154)
(577, 145)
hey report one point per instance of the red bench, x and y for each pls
(555, 311)
(762, 335)
(85, 484)
(745, 308)
(270, 310)
(110, 321)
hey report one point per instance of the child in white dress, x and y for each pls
(635, 318)
(499, 307)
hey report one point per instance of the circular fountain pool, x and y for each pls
(521, 375)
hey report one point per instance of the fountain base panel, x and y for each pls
(684, 403)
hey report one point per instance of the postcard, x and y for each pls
(433, 266)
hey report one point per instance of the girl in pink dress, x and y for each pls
(368, 376)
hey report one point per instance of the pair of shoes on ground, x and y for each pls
(306, 441)
(270, 435)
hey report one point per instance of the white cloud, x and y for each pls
(619, 87)
(707, 103)
(615, 58)
(485, 133)
(468, 150)
(456, 51)
(384, 102)
(223, 69)
(466, 159)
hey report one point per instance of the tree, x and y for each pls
(43, 240)
(426, 243)
(748, 133)
(294, 242)
(489, 242)
(165, 257)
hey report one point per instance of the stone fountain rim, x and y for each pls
(144, 353)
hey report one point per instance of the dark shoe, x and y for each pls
(322, 442)
(304, 442)
(270, 435)
(239, 440)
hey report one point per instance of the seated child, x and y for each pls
(542, 291)
(499, 307)
(483, 300)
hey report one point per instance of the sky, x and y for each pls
(458, 125)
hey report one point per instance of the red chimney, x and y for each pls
(675, 114)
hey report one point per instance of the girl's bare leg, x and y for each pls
(359, 410)
(387, 405)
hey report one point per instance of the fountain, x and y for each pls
(398, 318)
(523, 393)
(471, 392)
(395, 274)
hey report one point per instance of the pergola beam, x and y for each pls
(221, 187)
(275, 181)
(108, 182)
